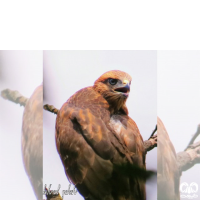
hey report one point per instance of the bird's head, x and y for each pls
(114, 86)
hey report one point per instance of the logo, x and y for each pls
(188, 191)
(56, 192)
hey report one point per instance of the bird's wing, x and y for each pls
(168, 171)
(93, 129)
(32, 140)
(85, 149)
(90, 149)
(132, 138)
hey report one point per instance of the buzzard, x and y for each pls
(97, 141)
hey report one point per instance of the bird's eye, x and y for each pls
(112, 81)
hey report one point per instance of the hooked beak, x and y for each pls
(125, 90)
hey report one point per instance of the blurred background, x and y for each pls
(21, 71)
(66, 72)
(178, 77)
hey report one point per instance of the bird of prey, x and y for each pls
(168, 171)
(97, 141)
(32, 141)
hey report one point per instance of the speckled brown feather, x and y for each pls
(90, 148)
(32, 140)
(168, 171)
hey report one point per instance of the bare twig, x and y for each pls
(14, 96)
(153, 132)
(50, 108)
(190, 157)
(152, 141)
(194, 137)
(194, 146)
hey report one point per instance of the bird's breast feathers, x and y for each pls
(120, 124)
(116, 125)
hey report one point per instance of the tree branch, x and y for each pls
(14, 96)
(50, 108)
(194, 137)
(151, 142)
(155, 129)
(191, 155)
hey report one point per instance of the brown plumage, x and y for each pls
(168, 171)
(95, 135)
(32, 141)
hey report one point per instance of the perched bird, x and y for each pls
(168, 171)
(32, 141)
(97, 141)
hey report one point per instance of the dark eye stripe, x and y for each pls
(112, 81)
